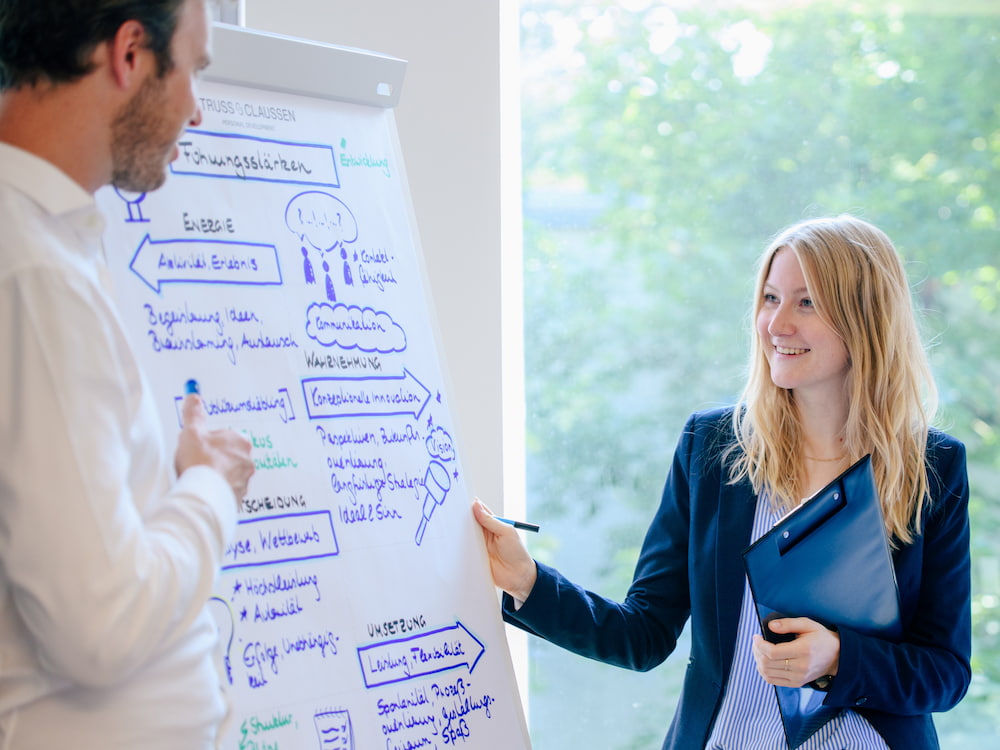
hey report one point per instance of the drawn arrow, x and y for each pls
(420, 655)
(393, 395)
(196, 261)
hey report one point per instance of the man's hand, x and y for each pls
(225, 451)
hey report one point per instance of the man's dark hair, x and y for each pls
(53, 40)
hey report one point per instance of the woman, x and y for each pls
(836, 372)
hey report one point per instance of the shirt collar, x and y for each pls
(42, 181)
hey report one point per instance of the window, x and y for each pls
(663, 144)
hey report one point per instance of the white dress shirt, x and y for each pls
(106, 562)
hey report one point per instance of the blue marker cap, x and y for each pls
(191, 386)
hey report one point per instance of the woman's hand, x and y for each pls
(815, 652)
(512, 567)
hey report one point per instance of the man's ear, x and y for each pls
(128, 54)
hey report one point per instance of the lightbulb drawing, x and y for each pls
(132, 201)
(436, 486)
(227, 628)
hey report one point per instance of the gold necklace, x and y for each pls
(841, 457)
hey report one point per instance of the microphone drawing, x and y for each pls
(436, 486)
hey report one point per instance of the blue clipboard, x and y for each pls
(828, 560)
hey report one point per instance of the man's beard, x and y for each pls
(138, 150)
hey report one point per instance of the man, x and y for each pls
(106, 560)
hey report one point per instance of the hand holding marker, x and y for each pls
(523, 525)
(226, 451)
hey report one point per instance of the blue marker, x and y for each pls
(523, 525)
(192, 387)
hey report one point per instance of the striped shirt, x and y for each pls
(748, 718)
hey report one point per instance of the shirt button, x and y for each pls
(861, 701)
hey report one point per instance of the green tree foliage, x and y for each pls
(662, 148)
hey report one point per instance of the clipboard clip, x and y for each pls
(809, 516)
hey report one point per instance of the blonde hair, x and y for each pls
(857, 283)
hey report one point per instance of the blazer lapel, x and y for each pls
(736, 510)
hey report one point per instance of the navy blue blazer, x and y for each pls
(691, 565)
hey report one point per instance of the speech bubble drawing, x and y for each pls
(353, 327)
(440, 445)
(321, 220)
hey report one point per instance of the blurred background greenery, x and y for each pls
(663, 144)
